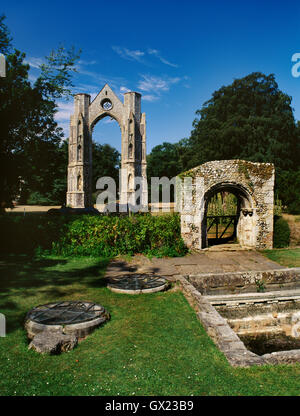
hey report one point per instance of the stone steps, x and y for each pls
(254, 298)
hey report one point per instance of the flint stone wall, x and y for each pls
(252, 183)
(246, 281)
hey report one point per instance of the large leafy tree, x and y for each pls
(249, 119)
(45, 166)
(29, 134)
(164, 160)
(48, 165)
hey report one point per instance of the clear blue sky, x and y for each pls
(176, 53)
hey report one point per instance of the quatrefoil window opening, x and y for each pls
(106, 104)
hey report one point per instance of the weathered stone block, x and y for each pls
(53, 342)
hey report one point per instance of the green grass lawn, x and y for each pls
(285, 257)
(153, 344)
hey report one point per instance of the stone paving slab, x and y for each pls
(192, 264)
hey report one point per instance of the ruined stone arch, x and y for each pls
(252, 183)
(101, 117)
(132, 124)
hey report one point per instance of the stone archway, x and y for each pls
(244, 223)
(133, 136)
(252, 183)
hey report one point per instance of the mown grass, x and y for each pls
(153, 344)
(285, 257)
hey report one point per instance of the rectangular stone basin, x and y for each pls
(264, 323)
(250, 328)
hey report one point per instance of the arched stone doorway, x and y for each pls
(133, 135)
(253, 186)
(240, 223)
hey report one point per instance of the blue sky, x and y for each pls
(175, 53)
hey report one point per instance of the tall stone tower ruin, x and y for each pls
(133, 136)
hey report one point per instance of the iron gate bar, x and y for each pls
(212, 223)
(216, 218)
(224, 231)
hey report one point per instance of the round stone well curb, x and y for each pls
(137, 283)
(52, 324)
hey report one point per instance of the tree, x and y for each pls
(164, 160)
(5, 38)
(250, 119)
(27, 113)
(47, 163)
(288, 184)
(106, 162)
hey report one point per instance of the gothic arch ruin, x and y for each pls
(253, 185)
(132, 124)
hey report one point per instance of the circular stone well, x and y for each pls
(76, 318)
(137, 283)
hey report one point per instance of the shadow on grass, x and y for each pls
(23, 277)
(118, 267)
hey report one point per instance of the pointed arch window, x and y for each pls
(79, 183)
(79, 152)
(130, 182)
(130, 150)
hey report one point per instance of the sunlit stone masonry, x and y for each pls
(252, 184)
(132, 124)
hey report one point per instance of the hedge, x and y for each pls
(281, 233)
(92, 235)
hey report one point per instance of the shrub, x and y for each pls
(113, 235)
(36, 198)
(294, 207)
(288, 185)
(92, 235)
(278, 207)
(281, 233)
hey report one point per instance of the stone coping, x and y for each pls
(79, 329)
(138, 291)
(251, 298)
(225, 338)
(137, 283)
(245, 281)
